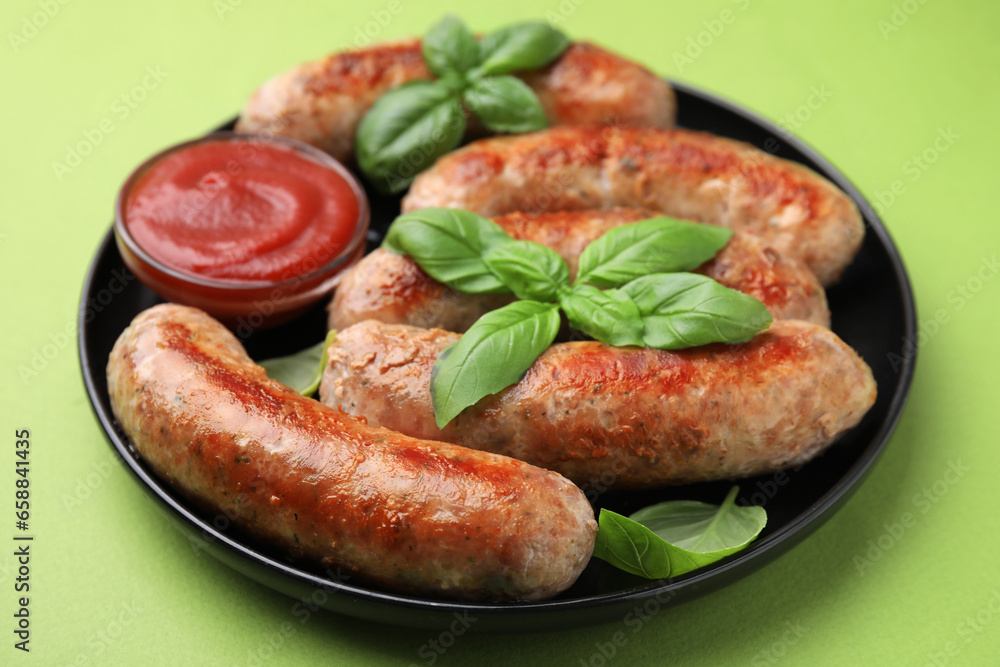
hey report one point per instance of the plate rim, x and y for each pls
(371, 603)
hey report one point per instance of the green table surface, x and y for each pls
(900, 95)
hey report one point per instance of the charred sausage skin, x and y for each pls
(648, 417)
(322, 102)
(392, 288)
(409, 515)
(682, 173)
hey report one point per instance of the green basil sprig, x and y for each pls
(410, 127)
(649, 246)
(687, 310)
(530, 270)
(492, 355)
(644, 303)
(675, 537)
(520, 47)
(303, 370)
(610, 316)
(450, 245)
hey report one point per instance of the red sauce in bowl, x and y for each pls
(240, 224)
(241, 212)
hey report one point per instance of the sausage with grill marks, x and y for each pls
(405, 514)
(682, 173)
(645, 417)
(392, 288)
(322, 102)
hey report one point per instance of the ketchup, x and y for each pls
(241, 211)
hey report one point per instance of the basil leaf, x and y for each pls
(449, 245)
(610, 316)
(492, 355)
(506, 104)
(686, 310)
(657, 245)
(530, 270)
(676, 537)
(450, 47)
(406, 130)
(703, 528)
(631, 547)
(303, 370)
(518, 47)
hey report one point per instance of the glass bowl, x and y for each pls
(243, 304)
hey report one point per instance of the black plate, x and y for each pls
(873, 310)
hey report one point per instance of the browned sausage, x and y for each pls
(392, 288)
(646, 417)
(322, 102)
(405, 514)
(685, 174)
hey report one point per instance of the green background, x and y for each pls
(112, 583)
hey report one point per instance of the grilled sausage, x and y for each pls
(405, 514)
(630, 417)
(322, 102)
(392, 288)
(685, 174)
